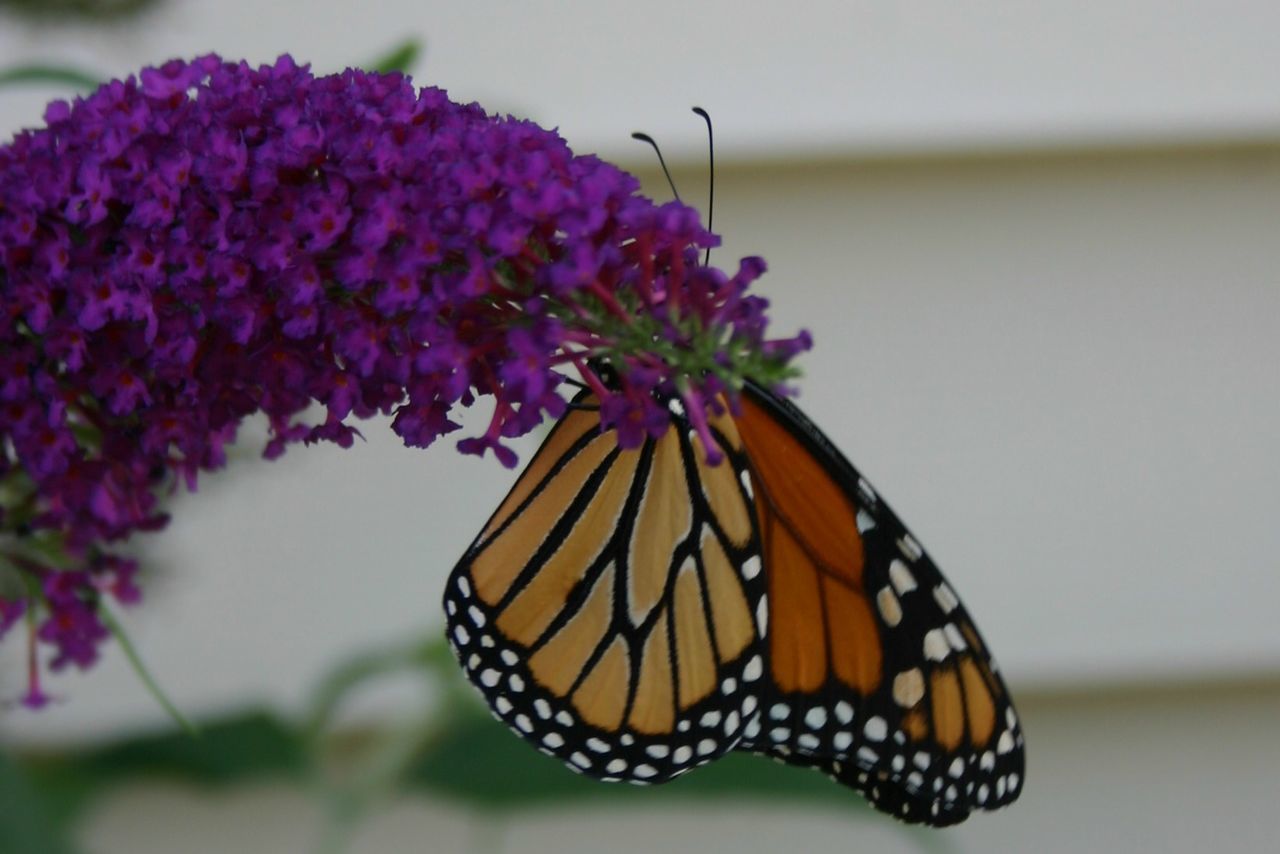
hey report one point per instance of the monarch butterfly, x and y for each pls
(636, 613)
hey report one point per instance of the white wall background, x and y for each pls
(1038, 246)
(785, 80)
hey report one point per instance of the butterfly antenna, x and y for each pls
(644, 137)
(711, 160)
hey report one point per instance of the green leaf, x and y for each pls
(28, 822)
(46, 549)
(58, 75)
(229, 751)
(402, 58)
(12, 587)
(478, 761)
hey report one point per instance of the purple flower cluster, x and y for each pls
(209, 240)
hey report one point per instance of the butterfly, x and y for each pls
(638, 613)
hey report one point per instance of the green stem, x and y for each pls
(139, 668)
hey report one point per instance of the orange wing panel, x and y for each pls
(814, 561)
(803, 495)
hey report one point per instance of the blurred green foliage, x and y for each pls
(29, 820)
(50, 75)
(481, 763)
(101, 10)
(461, 754)
(403, 57)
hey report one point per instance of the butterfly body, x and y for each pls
(637, 613)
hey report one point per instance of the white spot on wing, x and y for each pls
(946, 599)
(903, 581)
(908, 687)
(865, 522)
(751, 567)
(753, 670)
(890, 608)
(936, 647)
(876, 728)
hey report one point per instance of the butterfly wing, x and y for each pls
(604, 613)
(877, 674)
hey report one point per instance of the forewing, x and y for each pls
(877, 674)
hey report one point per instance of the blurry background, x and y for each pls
(1038, 246)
